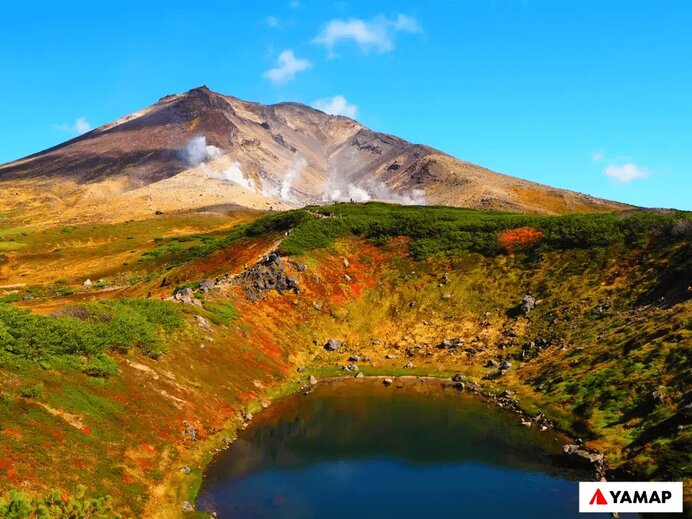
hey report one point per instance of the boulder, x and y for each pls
(300, 369)
(458, 377)
(187, 507)
(87, 283)
(505, 365)
(346, 263)
(360, 374)
(577, 456)
(312, 380)
(354, 358)
(351, 367)
(333, 345)
(409, 365)
(528, 302)
(388, 381)
(206, 285)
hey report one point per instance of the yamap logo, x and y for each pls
(630, 497)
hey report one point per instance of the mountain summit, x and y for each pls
(201, 149)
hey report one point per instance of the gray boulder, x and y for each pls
(333, 345)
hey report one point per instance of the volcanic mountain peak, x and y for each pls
(201, 148)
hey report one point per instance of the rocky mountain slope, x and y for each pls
(200, 149)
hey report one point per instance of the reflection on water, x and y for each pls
(358, 449)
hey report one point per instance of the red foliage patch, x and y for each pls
(521, 238)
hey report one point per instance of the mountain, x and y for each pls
(201, 149)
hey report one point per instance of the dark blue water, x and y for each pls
(358, 449)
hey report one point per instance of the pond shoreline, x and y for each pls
(222, 440)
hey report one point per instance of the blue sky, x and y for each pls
(594, 96)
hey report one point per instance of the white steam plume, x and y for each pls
(197, 150)
(338, 189)
(284, 189)
(234, 174)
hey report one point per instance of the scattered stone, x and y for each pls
(350, 367)
(317, 305)
(360, 374)
(581, 457)
(189, 431)
(409, 365)
(206, 285)
(390, 356)
(387, 381)
(446, 297)
(450, 343)
(185, 470)
(333, 345)
(87, 283)
(492, 363)
(458, 377)
(202, 323)
(186, 296)
(300, 369)
(528, 302)
(346, 263)
(247, 417)
(312, 380)
(505, 365)
(187, 507)
(376, 342)
(347, 278)
(427, 323)
(354, 358)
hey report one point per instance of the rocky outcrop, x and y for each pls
(265, 276)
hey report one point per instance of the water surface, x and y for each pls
(358, 449)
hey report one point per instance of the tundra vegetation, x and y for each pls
(121, 381)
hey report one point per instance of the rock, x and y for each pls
(266, 275)
(450, 343)
(580, 457)
(247, 417)
(87, 283)
(505, 365)
(185, 470)
(189, 430)
(390, 356)
(333, 345)
(458, 385)
(202, 323)
(164, 282)
(360, 374)
(300, 267)
(376, 342)
(446, 297)
(316, 278)
(351, 367)
(387, 381)
(528, 302)
(312, 380)
(317, 305)
(346, 263)
(458, 377)
(300, 369)
(409, 365)
(206, 285)
(187, 507)
(186, 296)
(354, 358)
(492, 363)
(347, 278)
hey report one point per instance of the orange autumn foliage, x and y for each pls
(513, 240)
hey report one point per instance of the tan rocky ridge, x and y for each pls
(201, 149)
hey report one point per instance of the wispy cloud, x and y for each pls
(337, 105)
(295, 4)
(287, 68)
(78, 127)
(626, 172)
(376, 35)
(272, 21)
(620, 168)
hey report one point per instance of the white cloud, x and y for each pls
(288, 67)
(295, 4)
(626, 172)
(597, 156)
(337, 105)
(80, 126)
(272, 21)
(377, 34)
